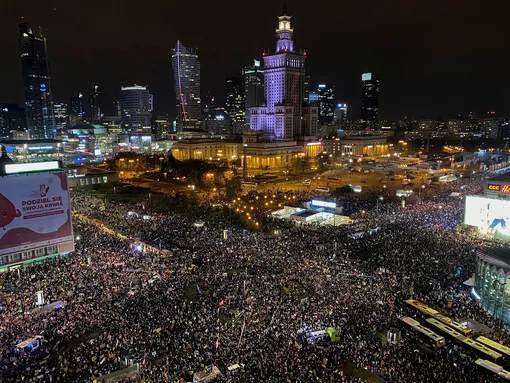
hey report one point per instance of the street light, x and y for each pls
(379, 199)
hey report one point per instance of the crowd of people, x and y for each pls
(226, 296)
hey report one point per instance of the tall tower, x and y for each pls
(36, 82)
(135, 110)
(284, 75)
(253, 88)
(370, 99)
(234, 101)
(95, 104)
(186, 69)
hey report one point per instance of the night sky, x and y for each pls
(435, 58)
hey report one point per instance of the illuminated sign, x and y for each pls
(505, 189)
(366, 77)
(493, 187)
(256, 63)
(321, 86)
(330, 205)
(31, 167)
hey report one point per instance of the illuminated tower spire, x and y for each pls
(284, 32)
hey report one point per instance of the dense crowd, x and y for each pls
(241, 297)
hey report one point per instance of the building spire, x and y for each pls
(284, 9)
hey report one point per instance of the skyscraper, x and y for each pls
(284, 77)
(234, 101)
(12, 118)
(135, 110)
(36, 83)
(253, 88)
(96, 109)
(61, 117)
(341, 116)
(186, 69)
(306, 98)
(326, 104)
(76, 110)
(370, 99)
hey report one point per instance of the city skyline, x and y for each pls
(428, 69)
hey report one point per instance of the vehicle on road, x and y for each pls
(322, 190)
(307, 182)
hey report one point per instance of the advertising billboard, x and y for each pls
(489, 215)
(35, 211)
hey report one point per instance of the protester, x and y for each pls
(243, 297)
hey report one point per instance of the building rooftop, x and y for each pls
(30, 142)
(497, 256)
(505, 177)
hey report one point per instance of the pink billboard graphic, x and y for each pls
(35, 211)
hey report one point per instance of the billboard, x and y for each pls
(489, 215)
(35, 211)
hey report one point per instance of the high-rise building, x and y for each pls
(284, 77)
(186, 69)
(313, 97)
(370, 99)
(96, 109)
(61, 116)
(76, 110)
(12, 118)
(36, 83)
(151, 103)
(116, 109)
(135, 110)
(341, 116)
(162, 127)
(234, 101)
(326, 103)
(306, 98)
(253, 88)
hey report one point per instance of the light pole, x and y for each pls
(419, 191)
(379, 199)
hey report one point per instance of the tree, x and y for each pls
(233, 189)
(323, 161)
(299, 164)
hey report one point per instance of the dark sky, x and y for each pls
(436, 57)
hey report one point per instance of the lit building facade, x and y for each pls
(76, 110)
(186, 68)
(36, 83)
(340, 118)
(284, 78)
(96, 112)
(135, 110)
(370, 99)
(326, 103)
(205, 149)
(12, 118)
(234, 101)
(357, 145)
(61, 117)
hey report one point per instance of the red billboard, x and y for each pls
(35, 211)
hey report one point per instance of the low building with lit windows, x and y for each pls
(357, 146)
(205, 149)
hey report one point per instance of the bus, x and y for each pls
(249, 186)
(493, 367)
(448, 330)
(495, 356)
(466, 331)
(334, 179)
(436, 340)
(494, 345)
(322, 190)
